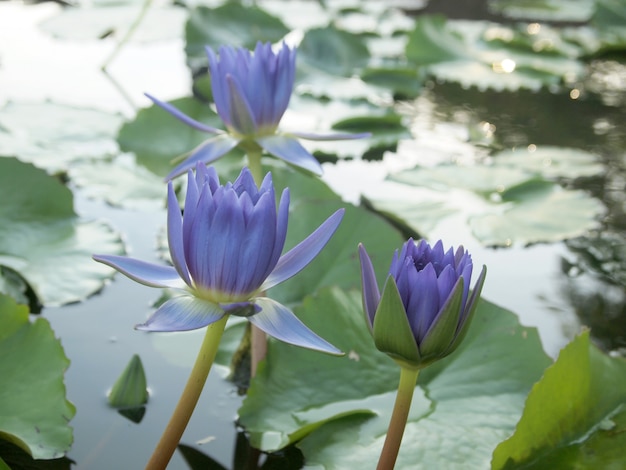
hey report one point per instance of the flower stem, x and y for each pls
(406, 387)
(258, 339)
(254, 165)
(187, 402)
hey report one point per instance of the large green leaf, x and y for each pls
(518, 201)
(546, 10)
(574, 416)
(464, 405)
(231, 24)
(34, 413)
(43, 240)
(53, 135)
(329, 60)
(311, 203)
(333, 51)
(488, 55)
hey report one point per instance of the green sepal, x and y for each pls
(130, 389)
(472, 303)
(441, 333)
(392, 331)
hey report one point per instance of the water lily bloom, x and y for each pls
(226, 251)
(251, 93)
(425, 308)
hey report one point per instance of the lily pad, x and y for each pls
(333, 51)
(233, 24)
(53, 135)
(574, 416)
(487, 55)
(481, 179)
(544, 10)
(463, 406)
(552, 162)
(34, 413)
(121, 183)
(43, 240)
(539, 212)
(329, 61)
(337, 264)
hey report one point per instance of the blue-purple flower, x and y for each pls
(226, 251)
(251, 93)
(426, 307)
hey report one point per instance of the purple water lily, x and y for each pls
(425, 308)
(251, 93)
(226, 251)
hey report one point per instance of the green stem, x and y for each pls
(187, 402)
(258, 339)
(406, 387)
(254, 165)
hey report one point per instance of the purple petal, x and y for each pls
(183, 117)
(371, 294)
(289, 149)
(175, 235)
(281, 323)
(303, 253)
(148, 274)
(182, 314)
(241, 113)
(255, 258)
(426, 304)
(320, 136)
(224, 241)
(206, 152)
(218, 82)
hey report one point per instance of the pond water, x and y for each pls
(557, 287)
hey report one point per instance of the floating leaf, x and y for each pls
(53, 135)
(481, 179)
(233, 24)
(540, 212)
(34, 413)
(544, 10)
(551, 162)
(574, 416)
(464, 405)
(333, 51)
(43, 240)
(329, 60)
(402, 80)
(488, 55)
(120, 182)
(337, 264)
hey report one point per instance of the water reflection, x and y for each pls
(595, 286)
(244, 457)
